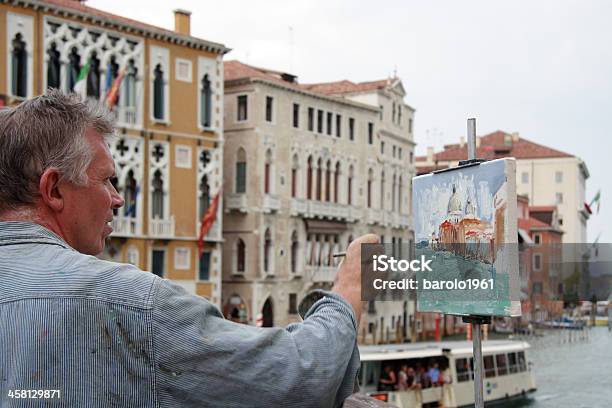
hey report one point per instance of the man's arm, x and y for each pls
(201, 359)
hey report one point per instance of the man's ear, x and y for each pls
(49, 191)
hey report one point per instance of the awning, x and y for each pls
(525, 236)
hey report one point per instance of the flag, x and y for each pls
(80, 87)
(207, 222)
(113, 93)
(596, 199)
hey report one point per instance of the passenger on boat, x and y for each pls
(434, 373)
(388, 380)
(422, 377)
(402, 378)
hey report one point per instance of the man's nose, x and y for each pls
(118, 200)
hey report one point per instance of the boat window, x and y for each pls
(463, 369)
(512, 364)
(502, 365)
(521, 361)
(489, 366)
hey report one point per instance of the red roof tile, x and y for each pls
(233, 70)
(345, 86)
(497, 145)
(529, 223)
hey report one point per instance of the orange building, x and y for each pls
(169, 113)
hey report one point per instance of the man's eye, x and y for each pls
(114, 181)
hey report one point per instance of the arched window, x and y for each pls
(19, 76)
(309, 179)
(336, 182)
(205, 102)
(158, 196)
(74, 67)
(294, 251)
(240, 255)
(382, 190)
(399, 195)
(53, 67)
(113, 70)
(93, 76)
(241, 168)
(319, 178)
(370, 181)
(267, 255)
(393, 196)
(130, 84)
(294, 176)
(204, 195)
(267, 171)
(130, 195)
(158, 92)
(328, 181)
(349, 187)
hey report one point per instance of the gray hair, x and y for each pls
(45, 132)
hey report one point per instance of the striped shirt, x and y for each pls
(107, 334)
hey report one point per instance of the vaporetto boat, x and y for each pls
(507, 372)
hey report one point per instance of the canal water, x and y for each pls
(576, 374)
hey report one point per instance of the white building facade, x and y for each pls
(304, 175)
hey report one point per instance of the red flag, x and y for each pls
(113, 93)
(207, 222)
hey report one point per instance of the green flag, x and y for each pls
(80, 86)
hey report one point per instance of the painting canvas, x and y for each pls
(466, 221)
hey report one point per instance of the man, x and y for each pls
(102, 334)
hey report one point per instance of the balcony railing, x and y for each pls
(236, 201)
(299, 206)
(126, 226)
(324, 210)
(126, 115)
(271, 203)
(162, 228)
(373, 216)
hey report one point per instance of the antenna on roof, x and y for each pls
(395, 72)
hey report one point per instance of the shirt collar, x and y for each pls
(12, 232)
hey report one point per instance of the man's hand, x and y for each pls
(348, 278)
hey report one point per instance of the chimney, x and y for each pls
(515, 137)
(461, 141)
(182, 21)
(477, 141)
(430, 154)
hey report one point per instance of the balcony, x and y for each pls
(162, 228)
(324, 210)
(321, 273)
(126, 226)
(354, 213)
(299, 206)
(271, 203)
(126, 115)
(373, 216)
(236, 201)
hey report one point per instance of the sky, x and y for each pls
(540, 68)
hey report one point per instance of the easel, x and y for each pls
(475, 321)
